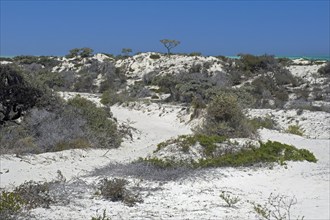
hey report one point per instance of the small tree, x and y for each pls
(73, 53)
(126, 51)
(83, 52)
(169, 44)
(86, 52)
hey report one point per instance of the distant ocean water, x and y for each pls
(295, 57)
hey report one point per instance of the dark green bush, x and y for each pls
(251, 63)
(154, 56)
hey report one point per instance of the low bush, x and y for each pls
(10, 205)
(27, 196)
(216, 156)
(116, 190)
(269, 152)
(34, 194)
(154, 56)
(184, 142)
(231, 201)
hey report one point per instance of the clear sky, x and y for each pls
(278, 27)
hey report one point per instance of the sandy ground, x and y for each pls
(193, 197)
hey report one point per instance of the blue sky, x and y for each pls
(279, 27)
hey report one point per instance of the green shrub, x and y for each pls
(10, 204)
(98, 120)
(225, 118)
(186, 141)
(215, 156)
(295, 129)
(29, 195)
(269, 152)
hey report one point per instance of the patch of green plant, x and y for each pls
(10, 204)
(295, 129)
(269, 152)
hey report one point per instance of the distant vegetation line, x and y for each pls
(232, 57)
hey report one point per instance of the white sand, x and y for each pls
(193, 198)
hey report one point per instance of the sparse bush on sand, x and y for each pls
(295, 129)
(277, 207)
(230, 200)
(101, 217)
(116, 190)
(27, 196)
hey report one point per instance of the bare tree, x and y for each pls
(169, 44)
